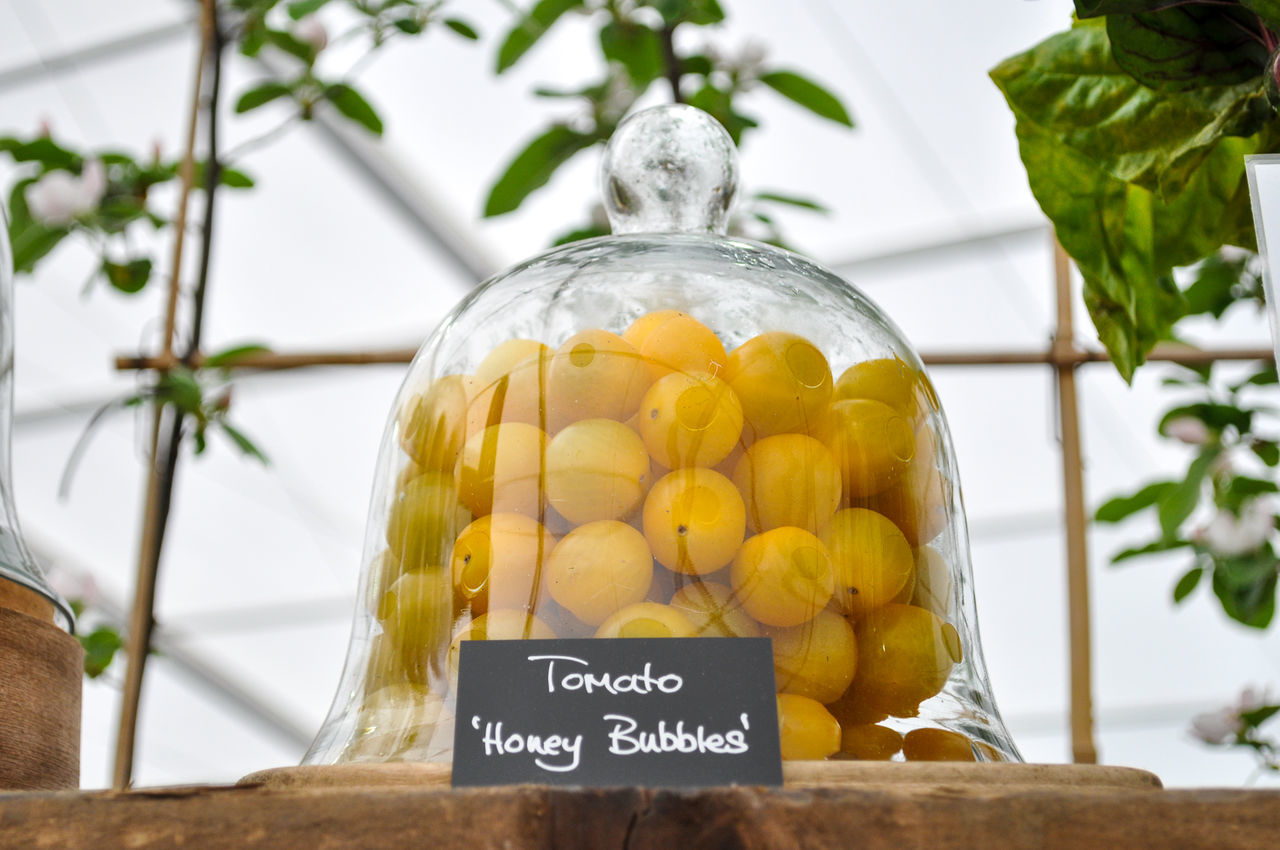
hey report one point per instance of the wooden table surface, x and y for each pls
(896, 815)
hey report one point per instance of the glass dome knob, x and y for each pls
(669, 169)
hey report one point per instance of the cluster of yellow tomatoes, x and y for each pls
(653, 484)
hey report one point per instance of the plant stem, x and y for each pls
(671, 62)
(213, 176)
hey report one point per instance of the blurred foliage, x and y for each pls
(641, 47)
(1133, 126)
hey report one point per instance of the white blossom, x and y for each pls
(1216, 727)
(1222, 726)
(1188, 429)
(1227, 534)
(59, 197)
(311, 30)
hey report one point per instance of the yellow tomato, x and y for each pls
(694, 521)
(498, 561)
(889, 380)
(680, 343)
(595, 375)
(930, 744)
(783, 576)
(872, 444)
(600, 568)
(596, 469)
(433, 424)
(504, 358)
(502, 469)
(934, 582)
(905, 655)
(646, 620)
(872, 560)
(807, 730)
(423, 519)
(815, 659)
(690, 420)
(788, 479)
(714, 610)
(516, 395)
(782, 380)
(870, 742)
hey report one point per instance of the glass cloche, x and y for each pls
(669, 432)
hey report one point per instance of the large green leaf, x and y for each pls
(531, 27)
(1267, 10)
(1094, 8)
(1080, 141)
(1186, 46)
(1070, 85)
(533, 167)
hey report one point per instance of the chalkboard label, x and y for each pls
(673, 712)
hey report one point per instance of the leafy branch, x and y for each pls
(638, 43)
(1229, 485)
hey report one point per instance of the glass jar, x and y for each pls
(668, 432)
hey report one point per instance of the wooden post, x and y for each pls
(1083, 750)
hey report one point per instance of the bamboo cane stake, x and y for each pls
(159, 473)
(269, 361)
(1083, 748)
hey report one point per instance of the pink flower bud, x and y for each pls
(310, 30)
(1188, 429)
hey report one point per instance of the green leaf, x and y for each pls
(719, 104)
(462, 28)
(1187, 46)
(229, 356)
(128, 277)
(531, 27)
(1217, 417)
(1212, 290)
(243, 443)
(1178, 503)
(1267, 451)
(1071, 87)
(1250, 603)
(352, 104)
(1187, 583)
(1151, 548)
(1125, 241)
(100, 647)
(1258, 716)
(233, 178)
(808, 94)
(636, 47)
(291, 44)
(408, 26)
(45, 151)
(533, 167)
(260, 95)
(299, 9)
(1121, 507)
(697, 12)
(792, 200)
(1267, 10)
(1094, 8)
(181, 389)
(29, 239)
